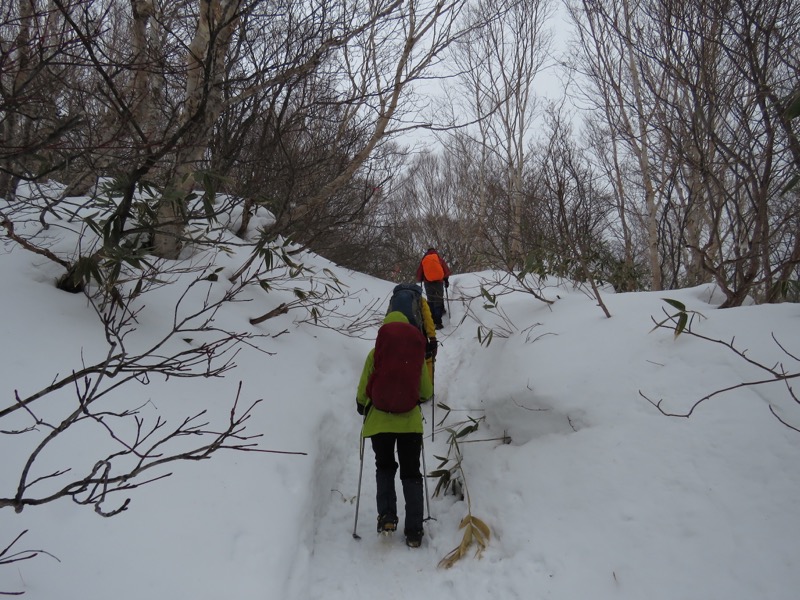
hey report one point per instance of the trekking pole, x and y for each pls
(433, 400)
(358, 497)
(425, 480)
(447, 297)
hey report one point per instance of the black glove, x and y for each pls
(431, 347)
(359, 407)
(447, 282)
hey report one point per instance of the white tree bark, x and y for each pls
(203, 106)
(499, 62)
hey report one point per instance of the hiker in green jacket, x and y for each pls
(393, 383)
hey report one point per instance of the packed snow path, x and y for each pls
(382, 566)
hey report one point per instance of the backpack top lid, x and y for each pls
(406, 299)
(411, 287)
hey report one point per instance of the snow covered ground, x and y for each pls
(588, 490)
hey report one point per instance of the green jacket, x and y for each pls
(378, 421)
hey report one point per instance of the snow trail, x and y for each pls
(379, 566)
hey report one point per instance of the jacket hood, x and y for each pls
(395, 317)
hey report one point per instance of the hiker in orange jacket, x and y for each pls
(435, 274)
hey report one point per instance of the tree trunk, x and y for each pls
(202, 108)
(643, 154)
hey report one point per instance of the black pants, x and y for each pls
(409, 448)
(434, 293)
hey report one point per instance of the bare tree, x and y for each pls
(698, 93)
(750, 138)
(579, 213)
(380, 67)
(497, 63)
(608, 35)
(34, 79)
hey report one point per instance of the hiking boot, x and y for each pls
(414, 538)
(387, 523)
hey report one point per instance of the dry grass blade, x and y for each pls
(452, 558)
(466, 541)
(482, 527)
(475, 530)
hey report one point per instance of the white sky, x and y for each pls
(596, 496)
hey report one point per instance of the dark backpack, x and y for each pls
(399, 358)
(407, 299)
